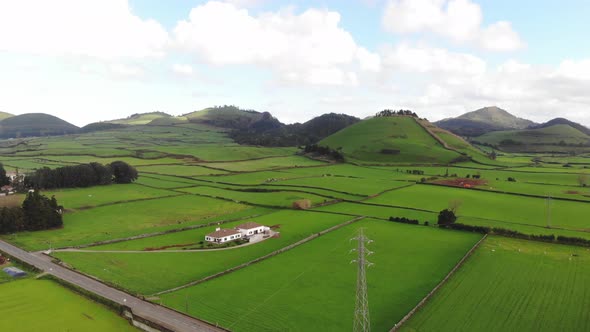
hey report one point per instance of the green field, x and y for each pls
(151, 272)
(513, 285)
(42, 305)
(312, 287)
(128, 219)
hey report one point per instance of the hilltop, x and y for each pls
(388, 140)
(140, 118)
(230, 117)
(483, 121)
(35, 124)
(5, 115)
(562, 121)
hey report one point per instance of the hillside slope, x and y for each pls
(35, 124)
(389, 140)
(5, 115)
(562, 121)
(140, 118)
(483, 121)
(555, 138)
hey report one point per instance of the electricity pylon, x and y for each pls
(548, 210)
(362, 321)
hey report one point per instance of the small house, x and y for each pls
(222, 235)
(251, 228)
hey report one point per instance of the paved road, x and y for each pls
(165, 317)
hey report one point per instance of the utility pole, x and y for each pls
(362, 321)
(548, 210)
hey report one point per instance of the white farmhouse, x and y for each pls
(251, 228)
(222, 235)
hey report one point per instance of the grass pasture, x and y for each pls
(151, 272)
(312, 287)
(42, 305)
(512, 285)
(128, 219)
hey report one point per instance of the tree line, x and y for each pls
(83, 175)
(36, 213)
(387, 112)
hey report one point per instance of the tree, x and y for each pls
(446, 217)
(41, 212)
(123, 172)
(4, 180)
(583, 179)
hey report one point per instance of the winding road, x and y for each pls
(162, 316)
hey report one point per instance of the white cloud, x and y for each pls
(103, 29)
(458, 20)
(423, 59)
(309, 47)
(183, 70)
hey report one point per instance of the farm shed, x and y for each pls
(14, 272)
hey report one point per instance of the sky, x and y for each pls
(88, 60)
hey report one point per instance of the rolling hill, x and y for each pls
(483, 121)
(389, 140)
(35, 124)
(141, 118)
(230, 117)
(562, 121)
(553, 138)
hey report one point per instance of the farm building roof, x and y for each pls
(223, 232)
(14, 272)
(249, 225)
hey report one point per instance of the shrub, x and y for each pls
(446, 217)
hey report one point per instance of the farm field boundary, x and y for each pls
(420, 304)
(260, 259)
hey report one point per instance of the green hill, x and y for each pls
(226, 117)
(389, 140)
(35, 124)
(4, 115)
(141, 118)
(556, 138)
(483, 121)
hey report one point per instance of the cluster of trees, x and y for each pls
(415, 172)
(84, 175)
(324, 151)
(36, 213)
(388, 112)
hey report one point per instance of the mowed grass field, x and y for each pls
(151, 272)
(128, 219)
(513, 285)
(43, 305)
(312, 287)
(514, 209)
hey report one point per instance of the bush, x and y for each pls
(469, 228)
(426, 223)
(446, 217)
(404, 220)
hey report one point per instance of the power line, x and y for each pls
(362, 321)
